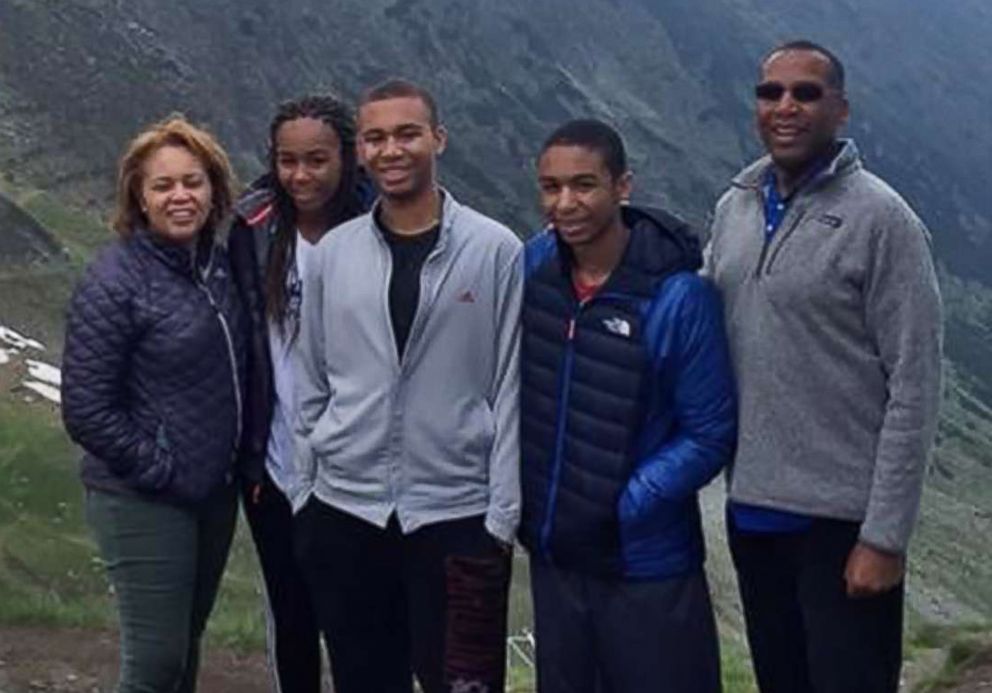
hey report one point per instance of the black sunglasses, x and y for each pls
(803, 92)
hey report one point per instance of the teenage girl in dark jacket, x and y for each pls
(312, 185)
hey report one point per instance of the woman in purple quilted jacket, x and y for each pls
(152, 372)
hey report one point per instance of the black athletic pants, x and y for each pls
(432, 602)
(293, 638)
(806, 634)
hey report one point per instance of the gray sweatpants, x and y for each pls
(165, 563)
(616, 636)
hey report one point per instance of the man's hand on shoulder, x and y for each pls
(871, 571)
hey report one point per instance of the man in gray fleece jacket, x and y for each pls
(408, 431)
(834, 321)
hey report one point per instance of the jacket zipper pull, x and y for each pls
(571, 329)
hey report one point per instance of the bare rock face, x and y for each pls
(77, 78)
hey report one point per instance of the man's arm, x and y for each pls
(255, 433)
(312, 391)
(709, 249)
(708, 261)
(903, 312)
(705, 406)
(503, 514)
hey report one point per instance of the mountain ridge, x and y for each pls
(675, 78)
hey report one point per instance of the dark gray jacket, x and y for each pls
(152, 370)
(835, 334)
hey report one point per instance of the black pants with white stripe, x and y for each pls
(293, 637)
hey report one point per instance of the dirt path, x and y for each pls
(46, 660)
(43, 660)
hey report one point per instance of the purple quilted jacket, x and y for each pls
(152, 370)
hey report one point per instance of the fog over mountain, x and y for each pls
(79, 77)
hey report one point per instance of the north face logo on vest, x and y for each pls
(617, 326)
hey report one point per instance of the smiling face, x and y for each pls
(797, 131)
(398, 145)
(308, 162)
(580, 198)
(175, 194)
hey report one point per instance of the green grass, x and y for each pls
(735, 666)
(33, 297)
(80, 233)
(50, 572)
(238, 618)
(960, 646)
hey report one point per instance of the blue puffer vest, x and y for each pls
(152, 369)
(627, 405)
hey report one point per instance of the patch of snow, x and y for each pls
(45, 390)
(44, 372)
(4, 357)
(19, 341)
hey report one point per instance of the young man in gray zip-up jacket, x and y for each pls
(834, 321)
(409, 420)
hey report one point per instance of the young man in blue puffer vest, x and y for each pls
(627, 409)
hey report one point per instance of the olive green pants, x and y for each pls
(165, 563)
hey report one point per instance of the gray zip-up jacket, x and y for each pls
(436, 436)
(835, 334)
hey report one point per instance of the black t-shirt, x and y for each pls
(409, 253)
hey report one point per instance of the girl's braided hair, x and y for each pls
(343, 205)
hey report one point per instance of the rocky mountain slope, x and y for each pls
(79, 76)
(25, 241)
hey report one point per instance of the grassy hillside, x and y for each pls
(49, 571)
(33, 296)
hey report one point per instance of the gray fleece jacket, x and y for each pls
(435, 436)
(835, 334)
